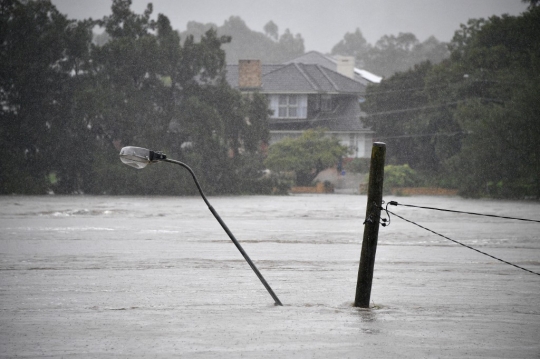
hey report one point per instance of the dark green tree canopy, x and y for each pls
(306, 155)
(61, 94)
(42, 54)
(472, 121)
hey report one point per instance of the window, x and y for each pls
(289, 106)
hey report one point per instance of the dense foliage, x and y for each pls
(399, 176)
(69, 105)
(306, 155)
(472, 121)
(468, 118)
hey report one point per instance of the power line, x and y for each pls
(394, 203)
(405, 90)
(382, 113)
(410, 89)
(426, 135)
(462, 244)
(391, 112)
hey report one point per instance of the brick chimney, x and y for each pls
(249, 74)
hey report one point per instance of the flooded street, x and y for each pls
(158, 277)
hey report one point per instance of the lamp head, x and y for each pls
(139, 157)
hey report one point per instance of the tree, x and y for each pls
(68, 105)
(391, 53)
(291, 46)
(470, 121)
(155, 92)
(501, 58)
(306, 156)
(129, 87)
(394, 112)
(271, 30)
(431, 50)
(42, 55)
(250, 44)
(532, 3)
(353, 44)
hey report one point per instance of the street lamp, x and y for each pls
(140, 157)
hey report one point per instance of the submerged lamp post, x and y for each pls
(140, 157)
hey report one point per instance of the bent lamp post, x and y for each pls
(140, 157)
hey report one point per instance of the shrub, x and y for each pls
(358, 165)
(399, 176)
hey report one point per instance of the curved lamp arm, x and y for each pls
(140, 157)
(227, 230)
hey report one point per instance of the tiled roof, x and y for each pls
(300, 78)
(315, 57)
(232, 73)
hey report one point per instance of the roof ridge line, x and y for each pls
(313, 85)
(327, 77)
(278, 67)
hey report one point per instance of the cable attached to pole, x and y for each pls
(394, 203)
(388, 212)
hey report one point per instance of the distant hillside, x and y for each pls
(391, 53)
(269, 47)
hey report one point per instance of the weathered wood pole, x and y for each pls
(371, 226)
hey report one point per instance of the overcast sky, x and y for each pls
(322, 23)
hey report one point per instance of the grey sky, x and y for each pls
(322, 23)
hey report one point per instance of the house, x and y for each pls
(306, 94)
(341, 64)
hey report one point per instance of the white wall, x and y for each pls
(360, 143)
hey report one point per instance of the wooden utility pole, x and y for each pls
(371, 226)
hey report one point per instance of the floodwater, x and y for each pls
(157, 277)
